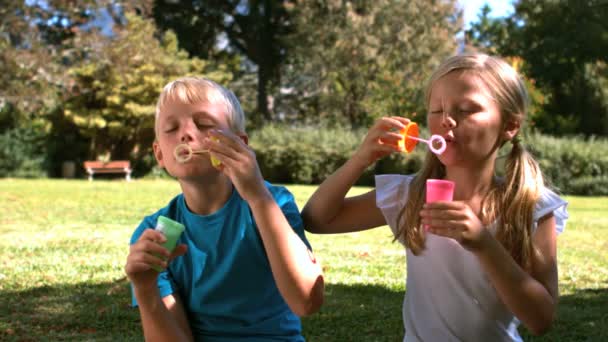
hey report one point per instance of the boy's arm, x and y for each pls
(162, 319)
(297, 274)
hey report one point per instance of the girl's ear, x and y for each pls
(158, 154)
(244, 137)
(511, 128)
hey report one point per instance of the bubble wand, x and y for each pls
(184, 152)
(410, 140)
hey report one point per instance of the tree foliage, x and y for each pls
(253, 29)
(353, 61)
(113, 96)
(563, 44)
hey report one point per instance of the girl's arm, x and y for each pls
(328, 211)
(531, 297)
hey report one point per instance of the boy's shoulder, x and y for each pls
(280, 193)
(149, 221)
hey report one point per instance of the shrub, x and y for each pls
(308, 155)
(22, 153)
(573, 165)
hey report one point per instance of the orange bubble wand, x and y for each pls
(410, 140)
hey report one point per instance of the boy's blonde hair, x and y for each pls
(191, 90)
(510, 203)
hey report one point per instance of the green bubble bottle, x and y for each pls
(172, 231)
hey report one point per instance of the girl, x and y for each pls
(487, 260)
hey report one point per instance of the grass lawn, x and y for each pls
(64, 244)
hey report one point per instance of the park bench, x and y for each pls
(116, 166)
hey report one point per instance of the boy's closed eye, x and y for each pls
(206, 124)
(169, 128)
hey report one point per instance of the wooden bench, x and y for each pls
(116, 166)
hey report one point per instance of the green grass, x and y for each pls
(64, 244)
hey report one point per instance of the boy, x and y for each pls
(243, 268)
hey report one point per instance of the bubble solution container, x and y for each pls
(172, 231)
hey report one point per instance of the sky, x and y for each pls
(500, 8)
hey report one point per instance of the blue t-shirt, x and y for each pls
(224, 279)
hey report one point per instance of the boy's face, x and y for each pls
(181, 123)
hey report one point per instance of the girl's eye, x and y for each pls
(437, 112)
(170, 129)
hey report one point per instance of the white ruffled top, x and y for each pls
(448, 296)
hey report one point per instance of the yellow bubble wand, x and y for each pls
(183, 153)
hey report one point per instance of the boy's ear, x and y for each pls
(158, 154)
(510, 129)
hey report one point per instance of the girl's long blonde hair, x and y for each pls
(510, 203)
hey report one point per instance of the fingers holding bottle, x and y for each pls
(145, 255)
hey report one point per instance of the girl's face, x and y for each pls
(463, 112)
(182, 123)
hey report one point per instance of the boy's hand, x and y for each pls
(238, 163)
(145, 253)
(381, 140)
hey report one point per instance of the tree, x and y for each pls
(251, 28)
(488, 34)
(113, 97)
(353, 61)
(565, 55)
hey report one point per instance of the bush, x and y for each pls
(22, 153)
(305, 155)
(573, 165)
(308, 155)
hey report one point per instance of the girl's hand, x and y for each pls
(238, 162)
(381, 140)
(148, 252)
(455, 220)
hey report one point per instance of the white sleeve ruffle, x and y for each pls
(550, 202)
(391, 196)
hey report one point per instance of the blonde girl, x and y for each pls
(487, 260)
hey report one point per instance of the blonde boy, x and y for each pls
(243, 269)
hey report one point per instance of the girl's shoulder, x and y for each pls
(392, 189)
(550, 202)
(393, 180)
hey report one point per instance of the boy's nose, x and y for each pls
(187, 133)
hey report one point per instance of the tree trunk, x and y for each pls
(262, 104)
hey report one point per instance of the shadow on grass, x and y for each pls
(102, 312)
(582, 316)
(75, 312)
(373, 313)
(356, 313)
